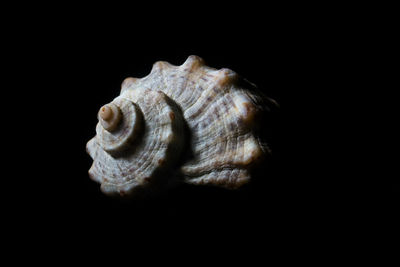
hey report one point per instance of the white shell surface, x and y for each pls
(219, 114)
(155, 148)
(218, 148)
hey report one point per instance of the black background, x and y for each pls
(69, 64)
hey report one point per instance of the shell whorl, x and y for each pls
(146, 142)
(218, 112)
(119, 123)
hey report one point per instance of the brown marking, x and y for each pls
(249, 107)
(128, 81)
(161, 162)
(159, 64)
(250, 112)
(240, 122)
(172, 116)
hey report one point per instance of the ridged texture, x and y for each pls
(193, 121)
(153, 150)
(116, 141)
(219, 114)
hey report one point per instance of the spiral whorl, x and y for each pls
(119, 123)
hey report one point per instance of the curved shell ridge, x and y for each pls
(153, 150)
(128, 83)
(232, 152)
(233, 136)
(91, 147)
(221, 117)
(161, 135)
(151, 80)
(220, 82)
(140, 165)
(153, 141)
(229, 178)
(181, 84)
(192, 104)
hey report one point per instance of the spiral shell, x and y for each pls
(190, 121)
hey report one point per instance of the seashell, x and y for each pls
(190, 121)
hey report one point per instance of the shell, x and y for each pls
(190, 121)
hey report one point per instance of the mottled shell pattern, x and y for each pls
(190, 121)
